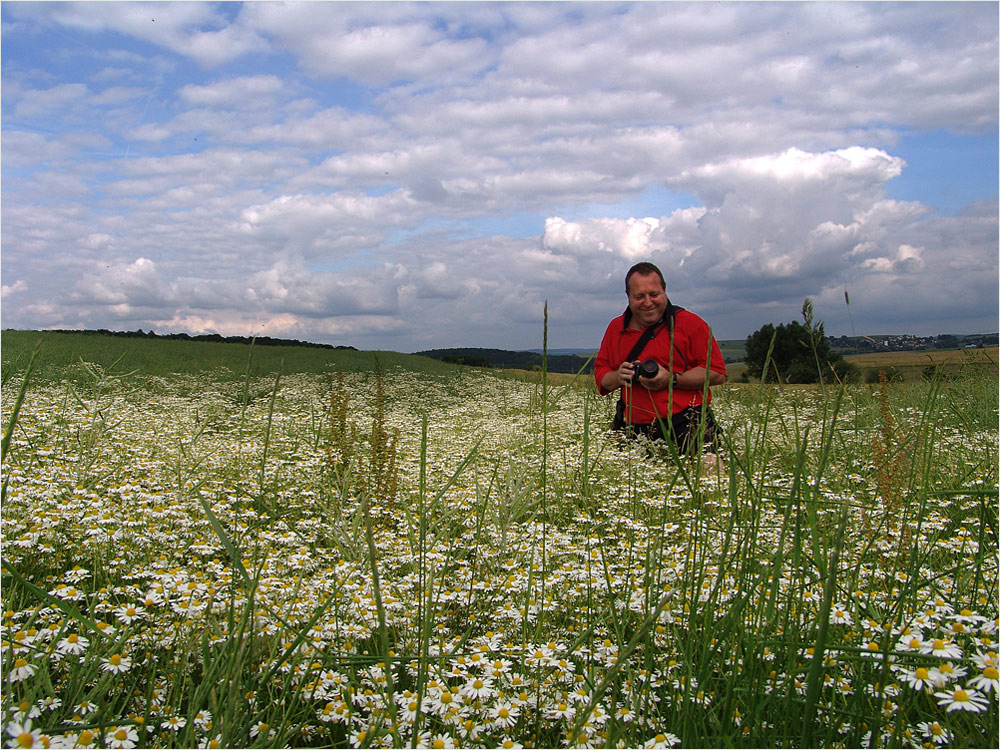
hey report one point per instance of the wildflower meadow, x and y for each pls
(397, 556)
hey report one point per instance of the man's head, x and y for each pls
(644, 269)
(647, 294)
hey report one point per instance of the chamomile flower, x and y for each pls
(72, 644)
(129, 613)
(986, 680)
(174, 723)
(663, 739)
(117, 664)
(840, 616)
(86, 738)
(505, 715)
(962, 699)
(441, 741)
(22, 670)
(947, 672)
(409, 710)
(84, 708)
(478, 688)
(122, 737)
(919, 679)
(942, 648)
(560, 710)
(934, 732)
(203, 719)
(22, 735)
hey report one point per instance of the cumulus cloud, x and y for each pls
(197, 30)
(418, 172)
(136, 284)
(776, 229)
(289, 287)
(377, 45)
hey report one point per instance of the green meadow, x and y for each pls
(215, 545)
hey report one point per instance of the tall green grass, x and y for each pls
(627, 599)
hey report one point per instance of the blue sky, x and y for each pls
(413, 176)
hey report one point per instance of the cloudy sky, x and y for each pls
(415, 176)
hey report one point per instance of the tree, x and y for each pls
(800, 352)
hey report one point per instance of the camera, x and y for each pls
(645, 369)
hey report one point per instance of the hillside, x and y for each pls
(508, 360)
(60, 353)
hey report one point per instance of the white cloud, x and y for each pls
(375, 46)
(41, 103)
(194, 29)
(121, 286)
(358, 164)
(8, 289)
(244, 92)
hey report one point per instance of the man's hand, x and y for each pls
(626, 371)
(659, 381)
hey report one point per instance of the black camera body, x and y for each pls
(645, 369)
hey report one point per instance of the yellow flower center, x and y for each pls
(961, 696)
(991, 673)
(938, 644)
(922, 673)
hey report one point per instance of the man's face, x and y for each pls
(647, 299)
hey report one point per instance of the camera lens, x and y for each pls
(649, 368)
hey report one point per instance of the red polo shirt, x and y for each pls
(692, 340)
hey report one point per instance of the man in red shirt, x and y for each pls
(673, 396)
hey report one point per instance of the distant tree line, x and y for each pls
(214, 337)
(507, 360)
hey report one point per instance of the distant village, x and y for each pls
(909, 342)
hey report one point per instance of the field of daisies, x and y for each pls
(405, 558)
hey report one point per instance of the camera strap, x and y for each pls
(668, 317)
(647, 335)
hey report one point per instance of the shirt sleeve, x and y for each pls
(604, 363)
(698, 338)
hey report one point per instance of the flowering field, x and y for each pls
(464, 560)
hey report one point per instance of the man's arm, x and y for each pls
(690, 380)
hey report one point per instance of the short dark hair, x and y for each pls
(644, 269)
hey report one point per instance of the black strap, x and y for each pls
(647, 335)
(668, 318)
